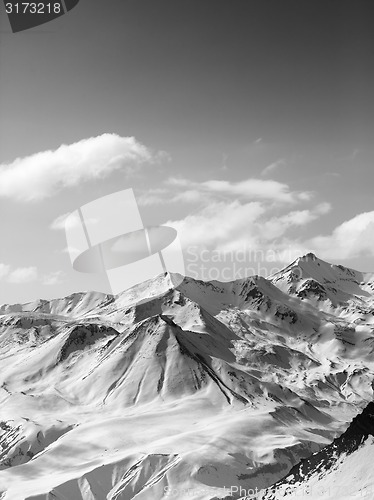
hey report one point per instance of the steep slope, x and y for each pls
(342, 469)
(186, 389)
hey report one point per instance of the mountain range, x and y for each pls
(179, 388)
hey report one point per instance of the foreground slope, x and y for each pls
(181, 391)
(342, 469)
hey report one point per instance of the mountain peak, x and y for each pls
(310, 277)
(308, 256)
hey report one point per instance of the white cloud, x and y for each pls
(182, 190)
(190, 196)
(70, 221)
(218, 222)
(60, 221)
(43, 174)
(248, 189)
(167, 196)
(4, 270)
(273, 166)
(153, 196)
(353, 238)
(323, 208)
(274, 227)
(230, 216)
(20, 275)
(54, 278)
(230, 226)
(23, 275)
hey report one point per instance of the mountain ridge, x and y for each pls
(239, 380)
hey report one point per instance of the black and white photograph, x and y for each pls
(187, 250)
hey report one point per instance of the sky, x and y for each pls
(246, 125)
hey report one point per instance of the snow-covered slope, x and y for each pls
(311, 278)
(182, 391)
(343, 469)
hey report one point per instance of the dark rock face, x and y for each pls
(312, 287)
(358, 431)
(82, 336)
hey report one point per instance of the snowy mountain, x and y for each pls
(190, 391)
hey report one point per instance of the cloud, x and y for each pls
(224, 166)
(249, 189)
(60, 222)
(189, 196)
(23, 275)
(41, 175)
(278, 226)
(353, 238)
(323, 208)
(182, 190)
(4, 270)
(231, 225)
(168, 196)
(153, 196)
(18, 275)
(54, 278)
(70, 221)
(273, 166)
(217, 223)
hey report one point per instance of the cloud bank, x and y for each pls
(231, 226)
(229, 216)
(180, 189)
(247, 189)
(42, 175)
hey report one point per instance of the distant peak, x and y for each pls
(308, 256)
